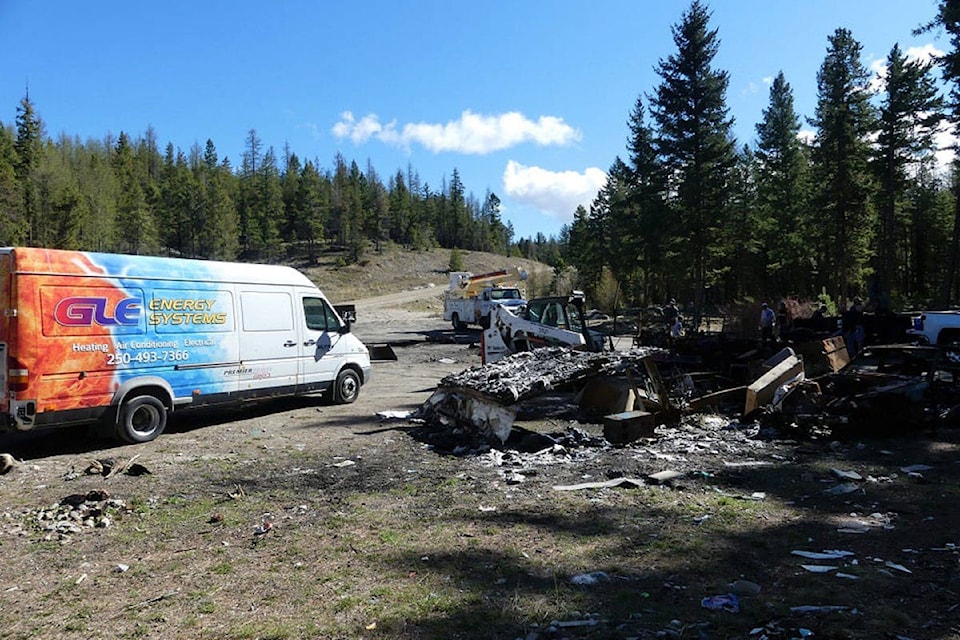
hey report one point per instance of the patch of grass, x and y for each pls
(389, 537)
(206, 607)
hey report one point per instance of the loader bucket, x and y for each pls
(381, 352)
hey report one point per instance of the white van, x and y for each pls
(87, 337)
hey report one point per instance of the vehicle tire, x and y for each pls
(347, 387)
(141, 419)
(458, 325)
(485, 322)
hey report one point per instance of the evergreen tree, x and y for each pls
(587, 246)
(290, 185)
(696, 146)
(270, 204)
(136, 231)
(948, 17)
(400, 210)
(748, 268)
(648, 224)
(248, 200)
(844, 120)
(313, 206)
(100, 189)
(909, 117)
(29, 149)
(11, 196)
(375, 205)
(780, 226)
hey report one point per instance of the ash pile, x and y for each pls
(477, 408)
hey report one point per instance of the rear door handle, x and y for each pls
(289, 343)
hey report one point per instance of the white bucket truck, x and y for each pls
(470, 298)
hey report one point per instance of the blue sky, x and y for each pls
(526, 99)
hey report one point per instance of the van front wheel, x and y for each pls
(142, 419)
(347, 387)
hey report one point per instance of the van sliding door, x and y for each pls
(269, 342)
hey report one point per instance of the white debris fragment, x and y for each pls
(898, 567)
(394, 415)
(842, 489)
(828, 554)
(819, 568)
(916, 468)
(587, 579)
(846, 475)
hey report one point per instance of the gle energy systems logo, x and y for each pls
(81, 311)
(85, 311)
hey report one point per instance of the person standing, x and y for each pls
(854, 334)
(768, 320)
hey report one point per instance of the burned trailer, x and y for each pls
(885, 389)
(481, 404)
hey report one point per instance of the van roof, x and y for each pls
(84, 263)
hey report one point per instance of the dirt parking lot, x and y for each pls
(297, 519)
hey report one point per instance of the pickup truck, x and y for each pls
(936, 327)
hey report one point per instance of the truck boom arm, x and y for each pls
(467, 285)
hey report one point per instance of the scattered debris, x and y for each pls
(819, 568)
(847, 475)
(73, 514)
(589, 579)
(726, 602)
(743, 588)
(898, 567)
(822, 608)
(265, 526)
(842, 489)
(109, 467)
(823, 555)
(663, 477)
(394, 415)
(606, 484)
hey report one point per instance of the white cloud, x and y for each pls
(946, 141)
(926, 53)
(768, 80)
(555, 192)
(806, 136)
(471, 134)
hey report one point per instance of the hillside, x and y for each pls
(396, 269)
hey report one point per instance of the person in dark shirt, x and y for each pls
(852, 324)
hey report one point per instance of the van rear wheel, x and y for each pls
(347, 387)
(141, 419)
(458, 325)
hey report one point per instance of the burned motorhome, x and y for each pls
(799, 384)
(483, 402)
(885, 388)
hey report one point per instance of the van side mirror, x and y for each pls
(348, 313)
